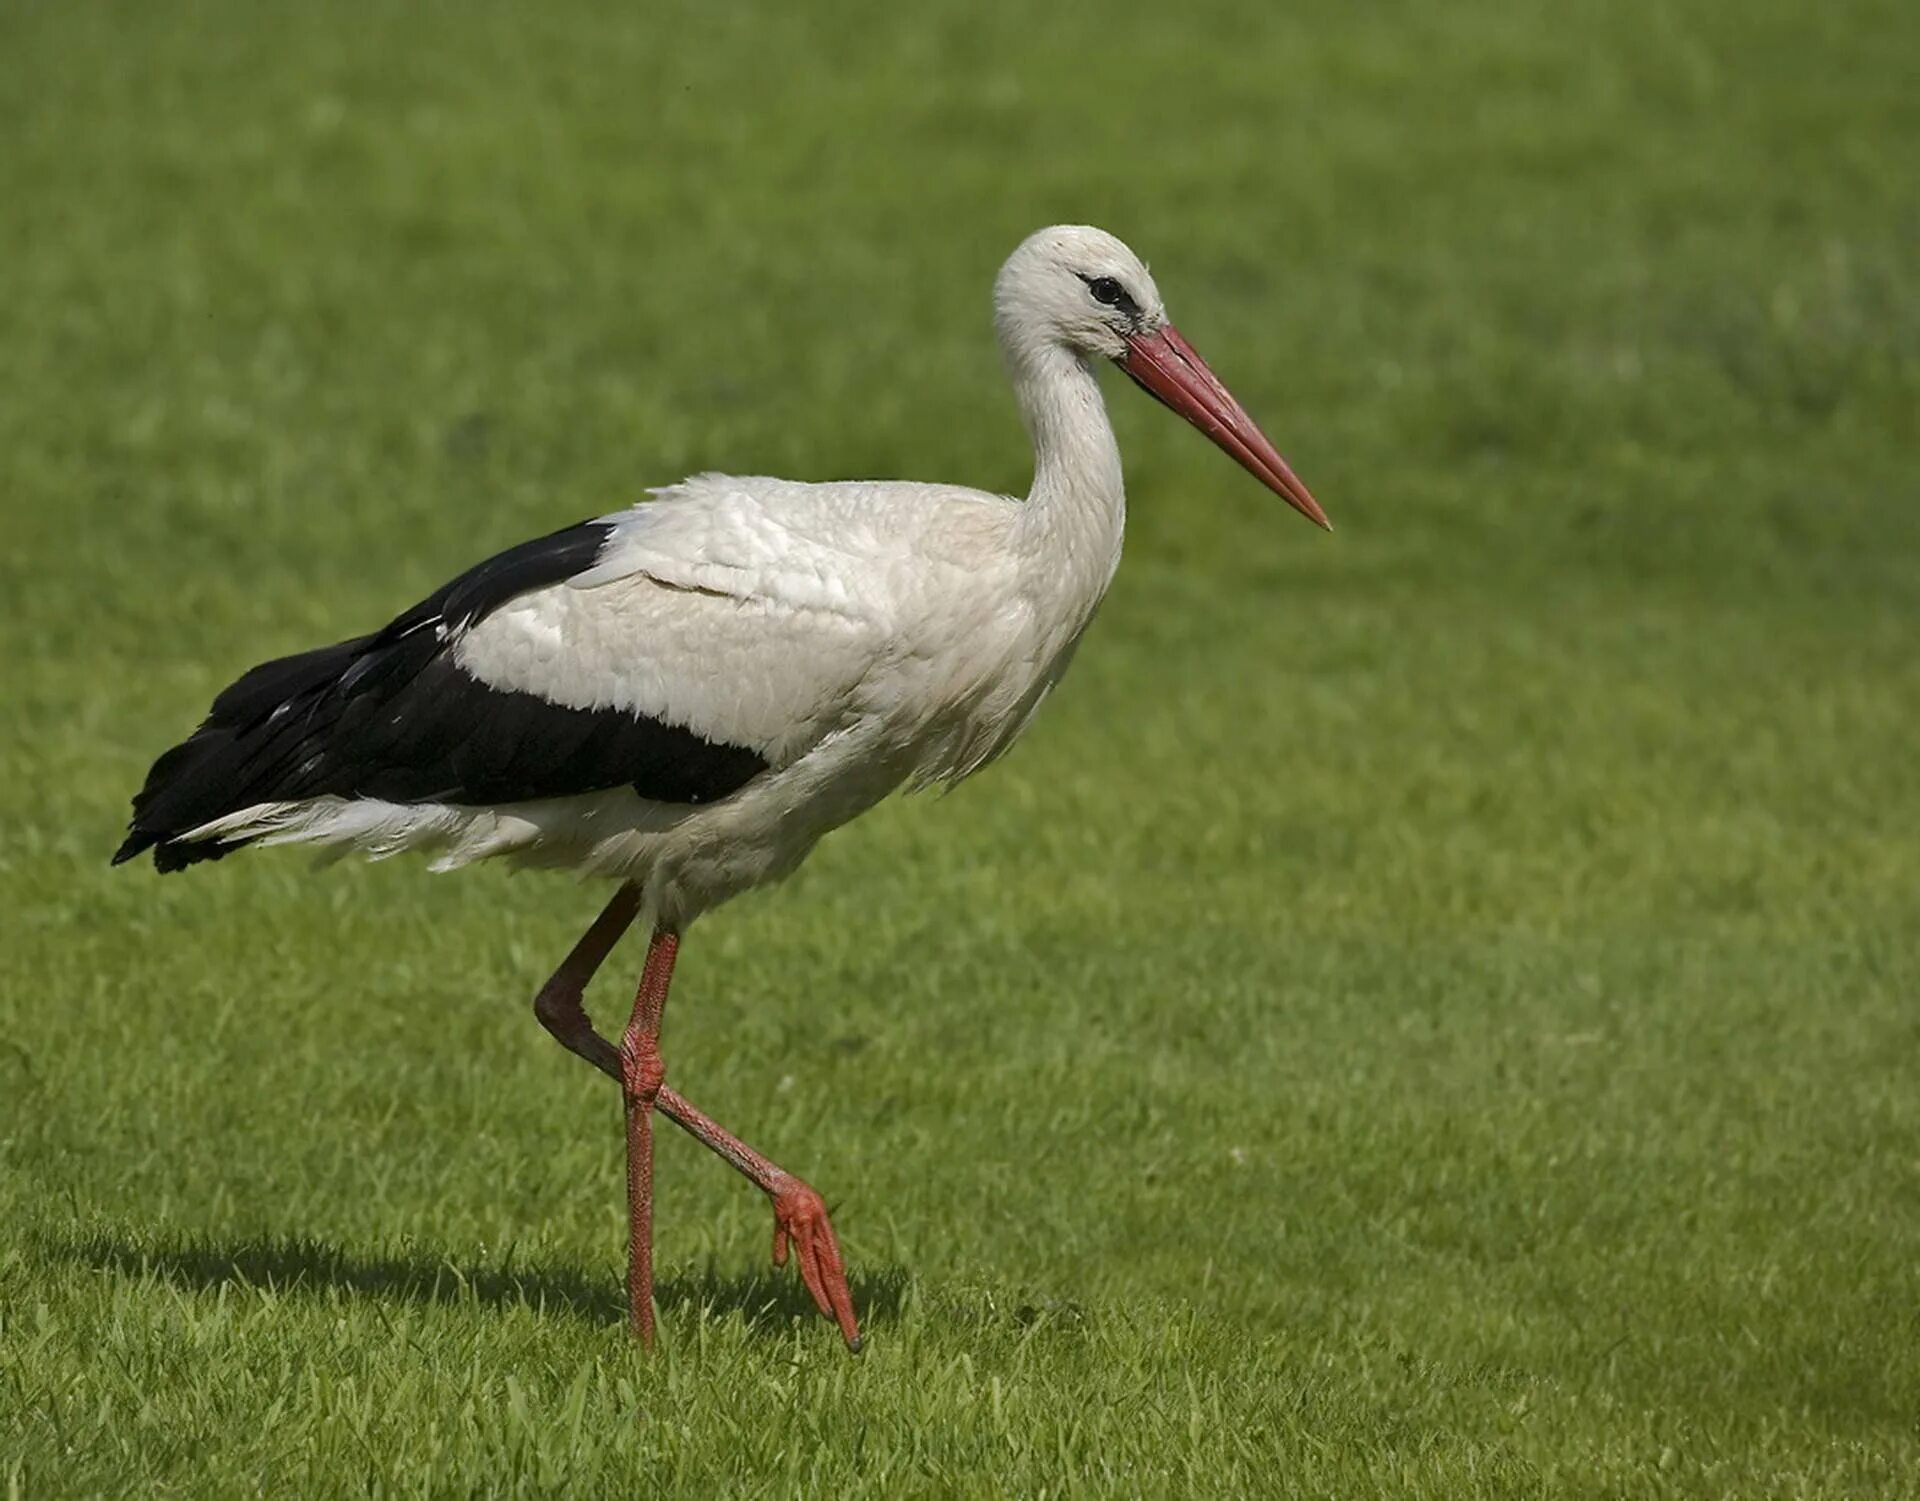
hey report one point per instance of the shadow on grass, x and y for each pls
(767, 1300)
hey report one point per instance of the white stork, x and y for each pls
(684, 696)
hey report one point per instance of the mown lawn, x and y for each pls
(1432, 1011)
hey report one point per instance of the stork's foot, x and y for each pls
(800, 1221)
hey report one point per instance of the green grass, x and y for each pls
(1432, 1011)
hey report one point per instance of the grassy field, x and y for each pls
(1432, 1011)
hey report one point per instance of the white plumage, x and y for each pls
(859, 635)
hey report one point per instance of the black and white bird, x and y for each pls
(684, 696)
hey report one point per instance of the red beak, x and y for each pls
(1169, 369)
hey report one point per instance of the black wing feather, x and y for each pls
(391, 715)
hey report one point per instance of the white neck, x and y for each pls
(1071, 526)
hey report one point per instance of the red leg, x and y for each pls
(800, 1215)
(642, 1073)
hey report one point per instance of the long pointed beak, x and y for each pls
(1170, 370)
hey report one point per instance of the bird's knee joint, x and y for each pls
(643, 1071)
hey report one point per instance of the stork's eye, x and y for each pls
(1106, 291)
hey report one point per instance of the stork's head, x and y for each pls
(1078, 289)
(1076, 286)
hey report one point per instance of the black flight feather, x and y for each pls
(391, 716)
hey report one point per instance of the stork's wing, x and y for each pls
(527, 677)
(715, 610)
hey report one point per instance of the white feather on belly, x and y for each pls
(689, 857)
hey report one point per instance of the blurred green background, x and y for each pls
(1430, 1011)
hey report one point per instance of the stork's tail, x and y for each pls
(230, 762)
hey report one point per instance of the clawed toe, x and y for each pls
(800, 1222)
